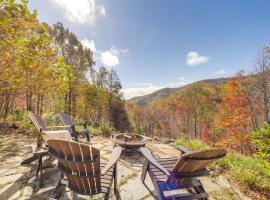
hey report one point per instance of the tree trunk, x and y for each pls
(41, 104)
(29, 101)
(38, 104)
(69, 101)
(195, 124)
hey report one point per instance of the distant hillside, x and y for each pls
(165, 92)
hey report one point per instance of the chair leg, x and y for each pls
(59, 191)
(107, 196)
(143, 176)
(115, 179)
(199, 189)
(144, 171)
(39, 166)
(88, 137)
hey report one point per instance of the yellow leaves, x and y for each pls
(26, 51)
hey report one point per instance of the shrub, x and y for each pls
(21, 119)
(261, 141)
(106, 129)
(191, 144)
(94, 131)
(250, 171)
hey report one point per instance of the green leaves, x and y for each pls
(261, 140)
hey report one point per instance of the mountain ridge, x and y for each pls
(165, 92)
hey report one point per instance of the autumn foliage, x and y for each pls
(222, 114)
(235, 116)
(46, 69)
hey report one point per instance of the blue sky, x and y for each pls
(154, 44)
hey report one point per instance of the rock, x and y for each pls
(12, 171)
(28, 190)
(134, 189)
(223, 182)
(9, 179)
(209, 185)
(17, 195)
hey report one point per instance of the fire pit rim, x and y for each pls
(143, 142)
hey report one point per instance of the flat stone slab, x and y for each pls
(19, 182)
(10, 179)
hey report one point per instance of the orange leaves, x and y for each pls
(235, 115)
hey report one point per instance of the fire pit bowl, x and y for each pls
(130, 140)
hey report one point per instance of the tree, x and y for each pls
(235, 116)
(114, 86)
(262, 67)
(29, 63)
(78, 57)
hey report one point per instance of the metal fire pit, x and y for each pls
(130, 140)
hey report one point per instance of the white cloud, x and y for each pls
(194, 58)
(89, 44)
(139, 91)
(109, 59)
(148, 88)
(80, 11)
(116, 51)
(102, 10)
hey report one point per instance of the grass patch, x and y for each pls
(249, 171)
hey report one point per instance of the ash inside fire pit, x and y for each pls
(130, 140)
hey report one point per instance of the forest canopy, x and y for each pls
(46, 69)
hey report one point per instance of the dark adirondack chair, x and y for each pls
(176, 178)
(41, 150)
(84, 172)
(66, 120)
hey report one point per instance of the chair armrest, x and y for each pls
(80, 124)
(183, 149)
(147, 154)
(113, 159)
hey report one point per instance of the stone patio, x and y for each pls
(19, 182)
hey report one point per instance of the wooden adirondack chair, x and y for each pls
(41, 127)
(175, 178)
(66, 120)
(43, 133)
(85, 173)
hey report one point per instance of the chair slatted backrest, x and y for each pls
(37, 121)
(65, 119)
(196, 161)
(80, 163)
